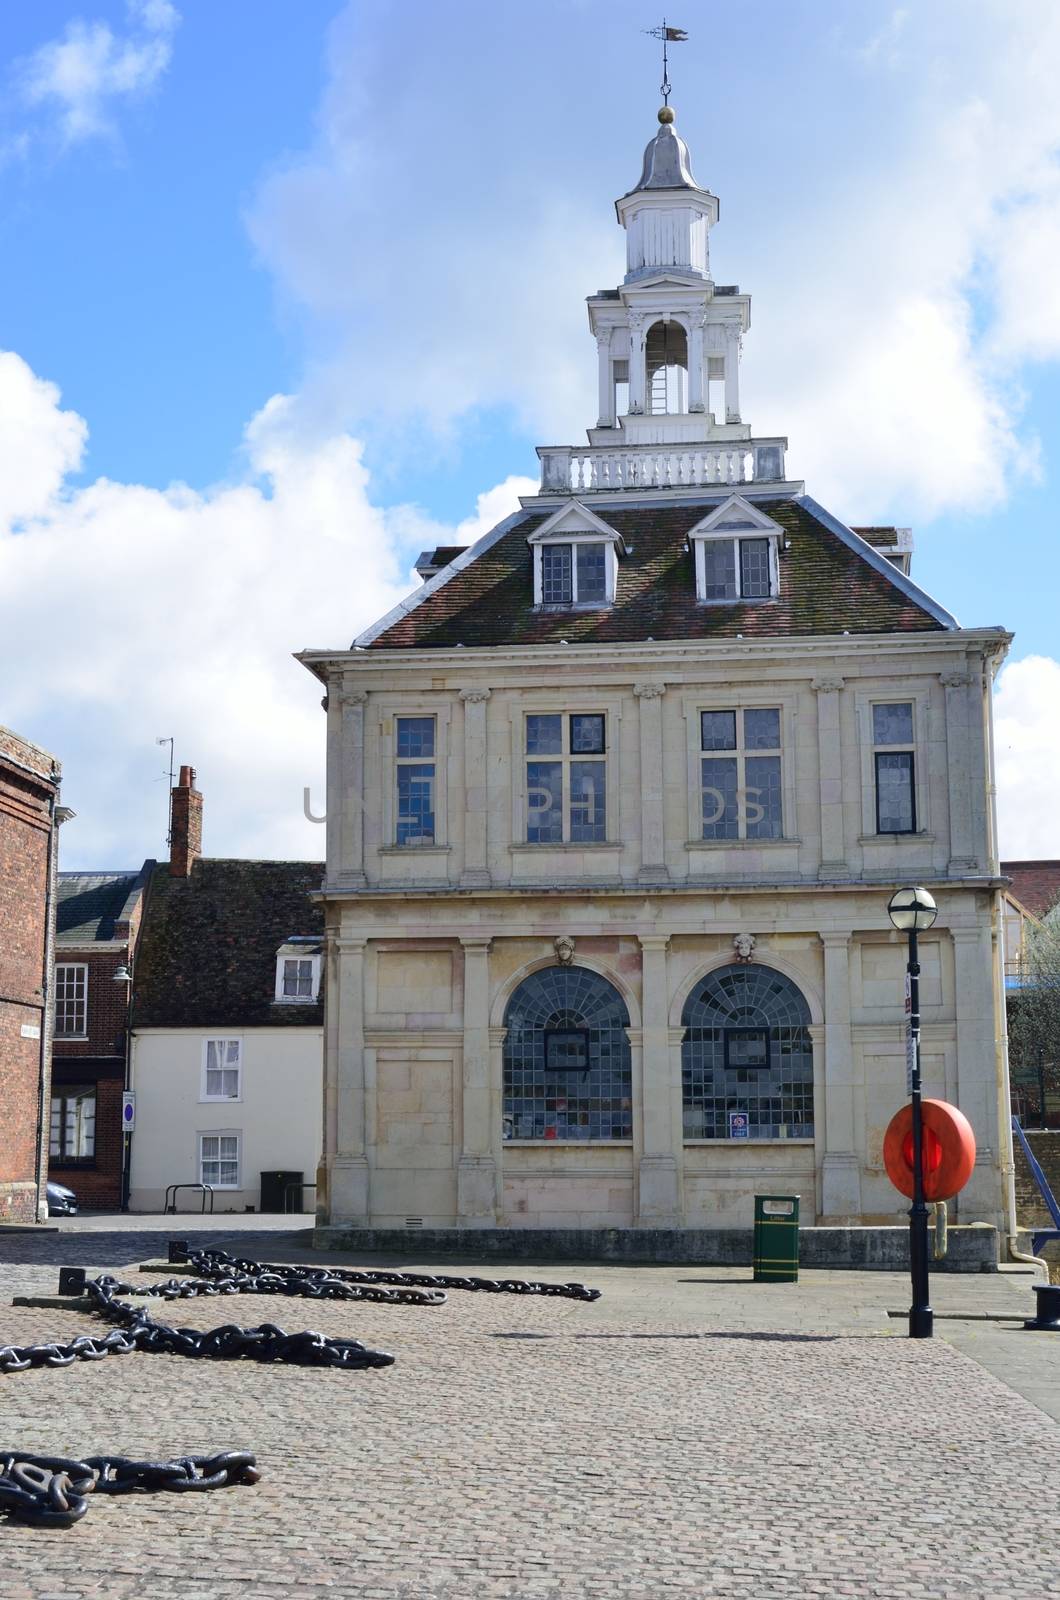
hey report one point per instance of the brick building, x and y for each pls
(29, 818)
(97, 927)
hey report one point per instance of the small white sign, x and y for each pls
(910, 1060)
(30, 1030)
(738, 1125)
(128, 1111)
(908, 995)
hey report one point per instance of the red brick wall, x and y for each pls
(98, 1184)
(108, 1004)
(25, 833)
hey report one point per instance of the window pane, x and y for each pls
(718, 730)
(592, 572)
(415, 736)
(588, 823)
(587, 735)
(747, 1047)
(761, 730)
(719, 569)
(892, 724)
(544, 736)
(55, 1145)
(415, 803)
(567, 1052)
(763, 806)
(544, 802)
(720, 812)
(567, 1059)
(556, 575)
(754, 568)
(894, 792)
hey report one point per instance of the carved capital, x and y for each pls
(603, 338)
(354, 697)
(649, 691)
(956, 678)
(828, 684)
(475, 695)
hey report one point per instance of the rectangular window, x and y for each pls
(298, 978)
(740, 774)
(574, 574)
(719, 569)
(222, 1068)
(737, 569)
(73, 1124)
(71, 1001)
(219, 1160)
(566, 795)
(415, 780)
(754, 569)
(894, 763)
(592, 572)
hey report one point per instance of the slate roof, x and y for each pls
(1035, 884)
(826, 587)
(88, 904)
(208, 946)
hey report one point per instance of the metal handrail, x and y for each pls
(1047, 1235)
(174, 1189)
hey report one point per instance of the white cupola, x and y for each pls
(667, 217)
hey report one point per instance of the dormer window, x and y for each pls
(575, 559)
(737, 554)
(298, 965)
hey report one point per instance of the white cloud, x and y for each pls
(81, 74)
(132, 613)
(1028, 758)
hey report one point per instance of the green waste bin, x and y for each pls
(776, 1246)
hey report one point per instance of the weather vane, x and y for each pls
(667, 36)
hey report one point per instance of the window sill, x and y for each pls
(297, 1000)
(70, 1038)
(598, 845)
(695, 1143)
(895, 838)
(729, 844)
(221, 1100)
(414, 849)
(568, 1144)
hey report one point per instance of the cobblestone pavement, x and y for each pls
(652, 1444)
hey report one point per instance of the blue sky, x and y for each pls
(310, 281)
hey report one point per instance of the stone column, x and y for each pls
(658, 1205)
(732, 374)
(830, 764)
(840, 1169)
(652, 826)
(696, 364)
(959, 764)
(346, 792)
(476, 1183)
(348, 1176)
(606, 388)
(981, 1199)
(476, 799)
(637, 370)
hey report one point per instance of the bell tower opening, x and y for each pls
(666, 368)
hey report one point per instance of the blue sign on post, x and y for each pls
(738, 1125)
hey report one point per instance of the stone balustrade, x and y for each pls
(576, 469)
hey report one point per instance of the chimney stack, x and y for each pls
(185, 825)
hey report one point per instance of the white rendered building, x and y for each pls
(616, 802)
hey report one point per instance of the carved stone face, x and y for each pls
(744, 945)
(564, 949)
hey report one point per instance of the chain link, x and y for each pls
(53, 1490)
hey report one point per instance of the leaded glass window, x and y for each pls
(566, 794)
(71, 999)
(746, 1048)
(567, 1068)
(754, 568)
(557, 580)
(415, 780)
(575, 574)
(736, 569)
(894, 763)
(742, 796)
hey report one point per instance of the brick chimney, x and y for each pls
(185, 825)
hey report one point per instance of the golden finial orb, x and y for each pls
(666, 114)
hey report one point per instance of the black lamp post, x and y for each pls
(912, 911)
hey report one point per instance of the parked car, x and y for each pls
(62, 1202)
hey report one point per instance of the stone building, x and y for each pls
(616, 801)
(98, 918)
(227, 1036)
(29, 830)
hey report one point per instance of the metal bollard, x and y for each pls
(1047, 1319)
(178, 1250)
(72, 1280)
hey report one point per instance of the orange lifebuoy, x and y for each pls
(948, 1153)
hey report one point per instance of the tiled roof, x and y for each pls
(88, 904)
(826, 587)
(1035, 884)
(208, 947)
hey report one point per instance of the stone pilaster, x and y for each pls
(977, 1086)
(346, 793)
(476, 1181)
(956, 684)
(697, 363)
(638, 385)
(652, 841)
(606, 400)
(830, 761)
(348, 1176)
(476, 798)
(732, 374)
(658, 1201)
(840, 1169)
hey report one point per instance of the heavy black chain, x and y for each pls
(326, 1282)
(53, 1489)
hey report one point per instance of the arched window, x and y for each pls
(746, 1057)
(567, 1071)
(666, 365)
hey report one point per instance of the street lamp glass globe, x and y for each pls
(912, 908)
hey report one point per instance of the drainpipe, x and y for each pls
(57, 815)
